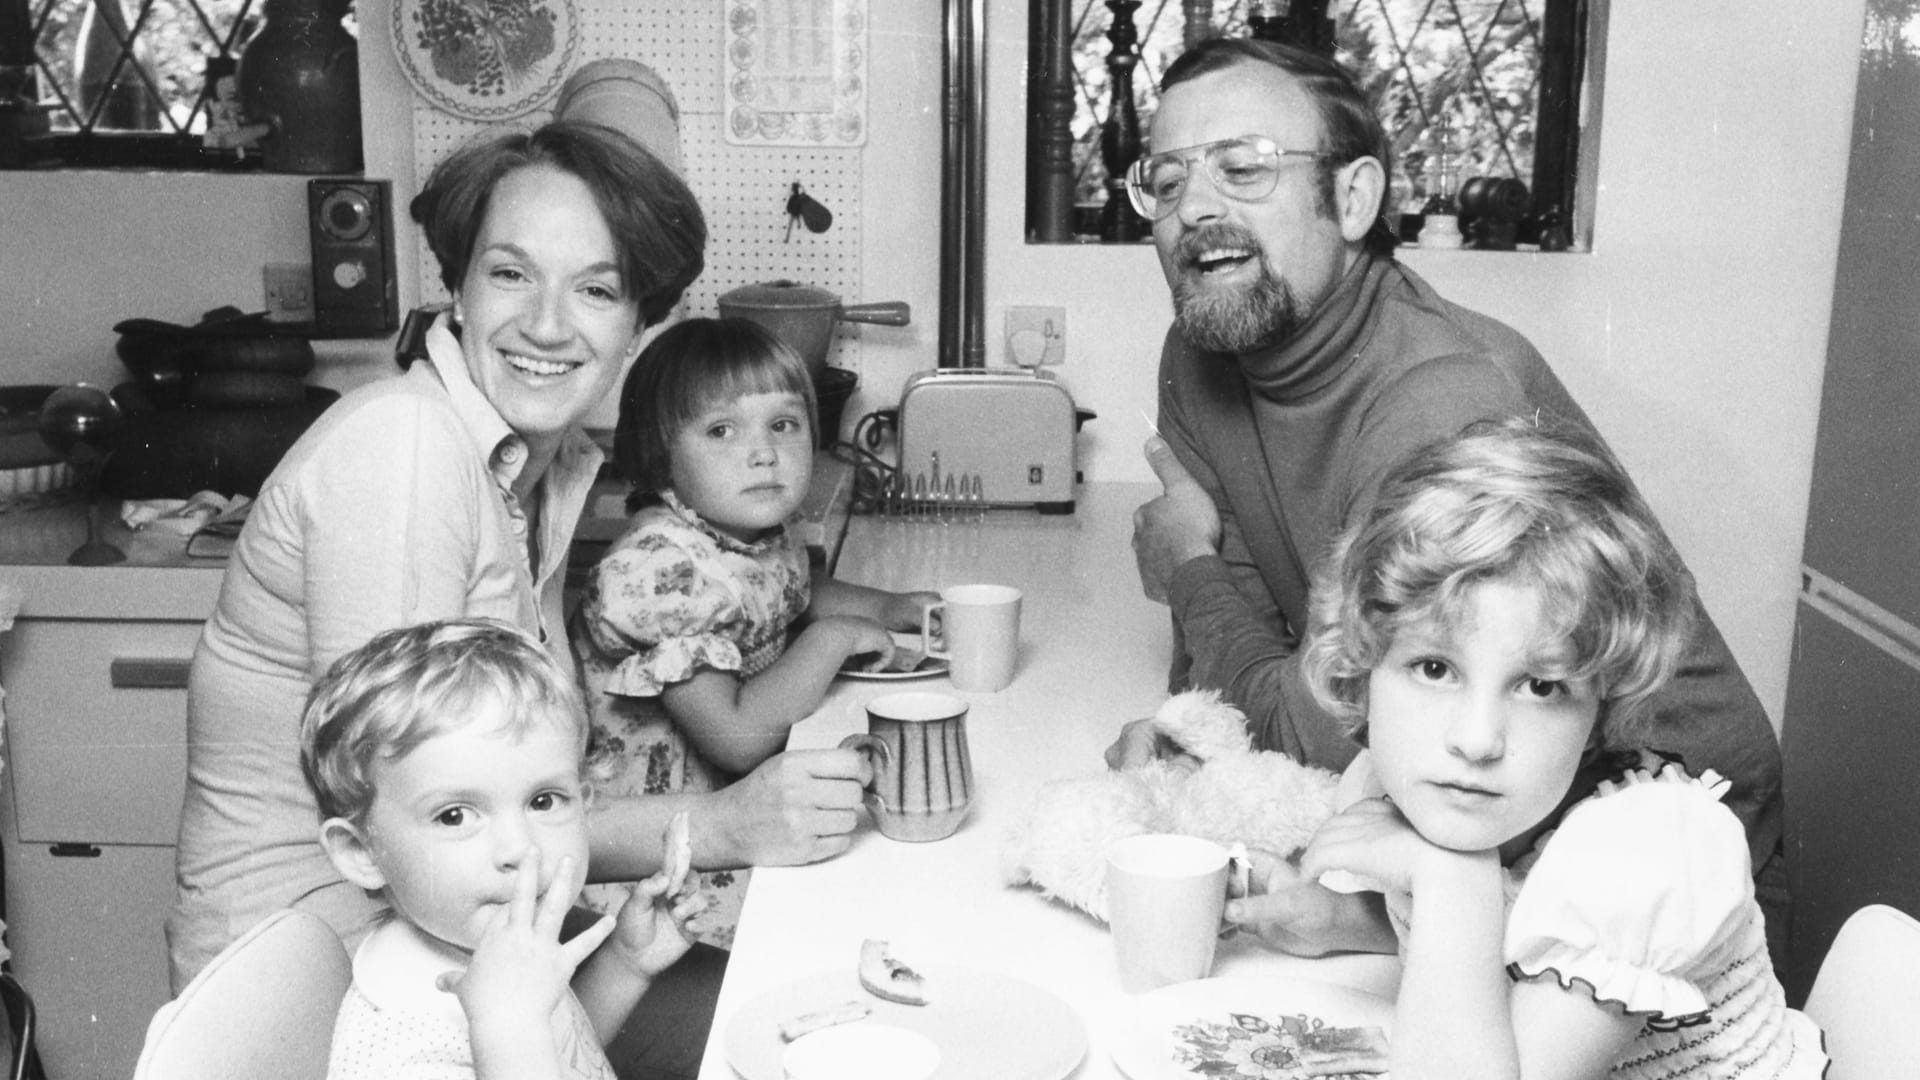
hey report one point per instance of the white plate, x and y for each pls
(862, 1050)
(932, 665)
(1177, 1032)
(986, 1024)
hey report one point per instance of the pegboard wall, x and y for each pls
(742, 189)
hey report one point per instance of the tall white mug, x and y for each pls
(1165, 897)
(979, 635)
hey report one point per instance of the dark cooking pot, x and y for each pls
(803, 316)
(228, 358)
(173, 453)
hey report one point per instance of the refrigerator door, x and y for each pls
(1851, 738)
(1852, 752)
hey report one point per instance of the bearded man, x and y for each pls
(1305, 362)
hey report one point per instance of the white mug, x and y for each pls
(979, 635)
(1165, 898)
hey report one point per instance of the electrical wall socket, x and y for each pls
(289, 292)
(1037, 335)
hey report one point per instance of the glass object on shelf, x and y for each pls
(83, 423)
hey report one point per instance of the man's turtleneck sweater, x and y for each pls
(1292, 443)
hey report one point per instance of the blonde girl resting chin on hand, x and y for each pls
(1567, 903)
(447, 758)
(704, 634)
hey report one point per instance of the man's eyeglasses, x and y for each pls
(1244, 169)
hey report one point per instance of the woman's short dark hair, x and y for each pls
(685, 371)
(658, 230)
(1351, 127)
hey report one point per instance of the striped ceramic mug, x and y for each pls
(916, 746)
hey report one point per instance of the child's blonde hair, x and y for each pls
(405, 686)
(685, 371)
(1521, 503)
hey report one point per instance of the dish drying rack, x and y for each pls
(931, 495)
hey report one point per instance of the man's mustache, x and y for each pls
(1214, 237)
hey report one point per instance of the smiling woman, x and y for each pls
(449, 491)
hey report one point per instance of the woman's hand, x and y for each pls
(797, 807)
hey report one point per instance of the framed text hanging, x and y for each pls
(795, 72)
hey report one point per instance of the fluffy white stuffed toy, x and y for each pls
(1236, 794)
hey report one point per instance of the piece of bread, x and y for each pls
(678, 857)
(889, 979)
(809, 1022)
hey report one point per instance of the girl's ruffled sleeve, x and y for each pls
(1636, 895)
(658, 618)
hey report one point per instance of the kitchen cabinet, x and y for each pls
(94, 671)
(95, 675)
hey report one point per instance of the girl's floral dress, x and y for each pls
(671, 597)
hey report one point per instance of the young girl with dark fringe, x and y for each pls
(705, 633)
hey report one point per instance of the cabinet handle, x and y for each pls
(74, 851)
(148, 673)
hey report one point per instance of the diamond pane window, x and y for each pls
(115, 82)
(1493, 82)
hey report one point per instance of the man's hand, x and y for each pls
(797, 807)
(1141, 742)
(1296, 914)
(1181, 524)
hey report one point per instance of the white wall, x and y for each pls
(1694, 333)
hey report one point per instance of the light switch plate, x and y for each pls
(289, 292)
(1036, 336)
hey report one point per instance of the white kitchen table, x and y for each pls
(1093, 654)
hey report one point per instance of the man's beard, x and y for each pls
(1236, 321)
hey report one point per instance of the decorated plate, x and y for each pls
(485, 59)
(986, 1024)
(1253, 1029)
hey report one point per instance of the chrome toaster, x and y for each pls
(1012, 427)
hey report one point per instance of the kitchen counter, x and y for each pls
(159, 580)
(1093, 654)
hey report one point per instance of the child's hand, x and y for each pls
(655, 928)
(858, 636)
(906, 610)
(520, 967)
(656, 922)
(1372, 839)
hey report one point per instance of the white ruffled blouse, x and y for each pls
(1643, 896)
